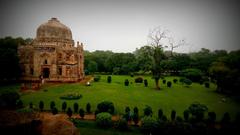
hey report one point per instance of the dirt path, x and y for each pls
(86, 117)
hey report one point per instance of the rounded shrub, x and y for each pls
(147, 111)
(186, 81)
(81, 113)
(207, 85)
(135, 118)
(164, 81)
(226, 118)
(169, 84)
(193, 74)
(19, 103)
(127, 115)
(106, 106)
(64, 106)
(122, 124)
(173, 115)
(175, 80)
(126, 82)
(31, 105)
(109, 79)
(52, 105)
(97, 78)
(88, 108)
(139, 80)
(186, 115)
(41, 105)
(145, 82)
(211, 117)
(75, 107)
(160, 113)
(149, 125)
(104, 120)
(69, 112)
(197, 110)
(54, 111)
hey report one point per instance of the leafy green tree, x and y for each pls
(8, 99)
(144, 58)
(225, 71)
(92, 67)
(9, 58)
(194, 75)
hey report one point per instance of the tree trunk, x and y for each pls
(157, 83)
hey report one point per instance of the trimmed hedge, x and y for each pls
(104, 120)
(106, 106)
(71, 96)
(139, 80)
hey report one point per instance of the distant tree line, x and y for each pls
(10, 70)
(219, 66)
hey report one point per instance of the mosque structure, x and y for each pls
(52, 56)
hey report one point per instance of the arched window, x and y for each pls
(45, 62)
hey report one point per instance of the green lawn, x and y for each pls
(90, 128)
(178, 97)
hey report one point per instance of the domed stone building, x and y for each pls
(52, 56)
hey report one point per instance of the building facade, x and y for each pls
(52, 56)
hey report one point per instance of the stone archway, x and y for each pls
(46, 72)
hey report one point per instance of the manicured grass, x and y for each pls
(178, 97)
(90, 128)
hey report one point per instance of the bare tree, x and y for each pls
(173, 44)
(155, 40)
(156, 35)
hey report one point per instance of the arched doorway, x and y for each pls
(46, 72)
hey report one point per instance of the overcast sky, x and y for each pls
(123, 25)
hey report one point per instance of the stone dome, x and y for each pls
(54, 29)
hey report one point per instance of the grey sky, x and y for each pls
(123, 25)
